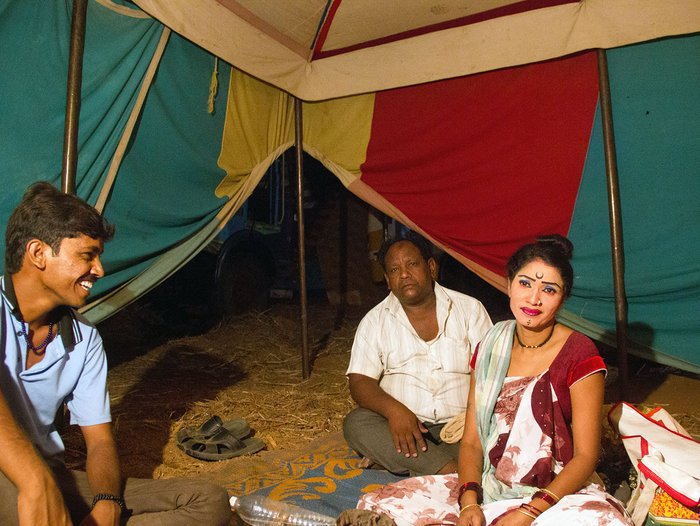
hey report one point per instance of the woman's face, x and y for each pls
(536, 294)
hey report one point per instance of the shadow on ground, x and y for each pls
(181, 375)
(162, 387)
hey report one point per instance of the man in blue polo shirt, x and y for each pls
(50, 355)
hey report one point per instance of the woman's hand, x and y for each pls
(513, 518)
(472, 516)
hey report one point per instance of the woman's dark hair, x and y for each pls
(555, 250)
(47, 214)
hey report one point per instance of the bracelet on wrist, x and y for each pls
(525, 512)
(467, 506)
(471, 486)
(531, 509)
(547, 496)
(108, 496)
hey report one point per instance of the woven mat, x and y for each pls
(323, 477)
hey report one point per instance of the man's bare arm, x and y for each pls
(103, 474)
(39, 501)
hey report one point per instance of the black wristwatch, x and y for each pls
(108, 496)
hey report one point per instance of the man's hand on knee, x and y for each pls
(407, 432)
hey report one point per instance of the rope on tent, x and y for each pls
(131, 123)
(123, 10)
(214, 86)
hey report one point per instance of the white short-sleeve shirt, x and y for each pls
(430, 378)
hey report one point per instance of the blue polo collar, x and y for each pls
(64, 314)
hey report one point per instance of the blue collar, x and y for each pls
(64, 314)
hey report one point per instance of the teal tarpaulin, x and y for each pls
(655, 89)
(174, 148)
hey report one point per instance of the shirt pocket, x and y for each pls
(453, 354)
(406, 358)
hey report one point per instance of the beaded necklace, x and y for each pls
(517, 336)
(41, 348)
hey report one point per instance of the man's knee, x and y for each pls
(359, 424)
(350, 425)
(217, 502)
(196, 501)
(211, 499)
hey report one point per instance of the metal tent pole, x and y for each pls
(75, 77)
(618, 260)
(298, 142)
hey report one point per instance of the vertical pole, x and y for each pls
(75, 76)
(616, 241)
(342, 259)
(298, 142)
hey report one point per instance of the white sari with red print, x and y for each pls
(528, 441)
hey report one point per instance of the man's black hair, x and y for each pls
(419, 241)
(47, 214)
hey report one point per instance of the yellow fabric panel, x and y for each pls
(337, 133)
(259, 126)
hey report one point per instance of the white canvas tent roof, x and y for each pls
(322, 49)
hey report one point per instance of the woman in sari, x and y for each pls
(532, 429)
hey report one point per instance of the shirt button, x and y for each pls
(19, 333)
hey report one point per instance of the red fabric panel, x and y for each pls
(487, 162)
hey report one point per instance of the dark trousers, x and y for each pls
(368, 433)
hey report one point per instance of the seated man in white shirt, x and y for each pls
(409, 367)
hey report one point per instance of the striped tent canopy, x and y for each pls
(468, 121)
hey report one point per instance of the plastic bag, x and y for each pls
(663, 454)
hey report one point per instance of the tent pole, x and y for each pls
(298, 143)
(75, 76)
(614, 211)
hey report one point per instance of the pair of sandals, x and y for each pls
(216, 439)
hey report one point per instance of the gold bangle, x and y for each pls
(470, 505)
(551, 494)
(531, 515)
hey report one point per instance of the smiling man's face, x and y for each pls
(70, 273)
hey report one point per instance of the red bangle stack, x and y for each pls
(547, 496)
(530, 510)
(471, 486)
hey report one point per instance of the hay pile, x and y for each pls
(248, 366)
